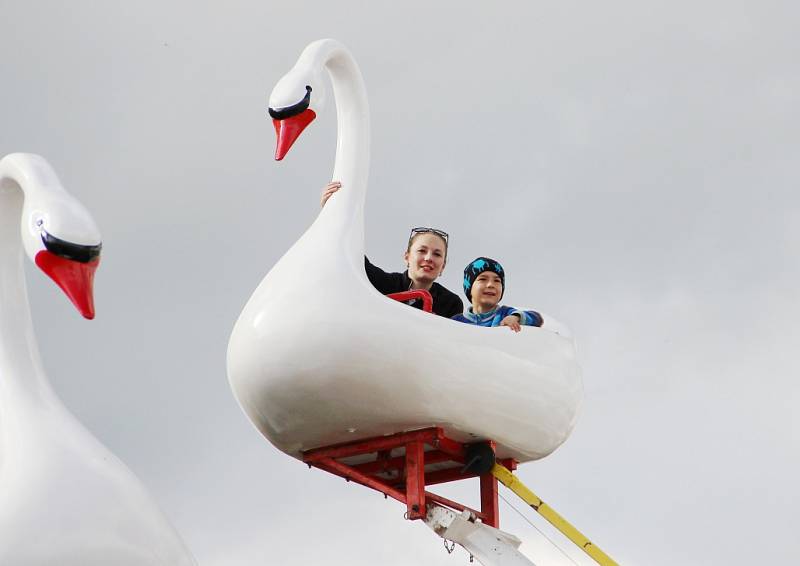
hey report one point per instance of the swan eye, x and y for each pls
(39, 222)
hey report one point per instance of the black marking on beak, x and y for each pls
(294, 109)
(68, 250)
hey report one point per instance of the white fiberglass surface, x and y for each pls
(64, 498)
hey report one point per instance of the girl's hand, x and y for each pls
(329, 189)
(512, 321)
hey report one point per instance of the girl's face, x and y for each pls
(425, 258)
(486, 291)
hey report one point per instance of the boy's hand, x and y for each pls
(329, 189)
(512, 321)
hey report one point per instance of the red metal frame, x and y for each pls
(405, 476)
(427, 300)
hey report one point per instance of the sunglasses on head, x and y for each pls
(423, 230)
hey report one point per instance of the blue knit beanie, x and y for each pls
(477, 267)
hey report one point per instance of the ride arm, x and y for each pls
(490, 546)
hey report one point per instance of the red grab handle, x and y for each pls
(427, 300)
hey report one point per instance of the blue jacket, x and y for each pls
(495, 317)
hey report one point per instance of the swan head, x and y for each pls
(60, 237)
(294, 104)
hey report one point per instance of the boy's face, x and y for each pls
(486, 291)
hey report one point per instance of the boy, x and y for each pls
(484, 284)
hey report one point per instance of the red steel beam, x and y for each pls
(428, 436)
(415, 480)
(489, 503)
(347, 472)
(397, 463)
(334, 472)
(412, 492)
(450, 447)
(455, 474)
(448, 475)
(509, 463)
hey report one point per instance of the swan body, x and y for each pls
(64, 498)
(319, 357)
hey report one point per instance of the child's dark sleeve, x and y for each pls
(528, 318)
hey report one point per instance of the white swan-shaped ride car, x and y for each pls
(319, 357)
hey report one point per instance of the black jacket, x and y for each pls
(445, 303)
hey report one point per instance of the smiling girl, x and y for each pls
(425, 257)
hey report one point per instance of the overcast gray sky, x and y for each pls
(632, 164)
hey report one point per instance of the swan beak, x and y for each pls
(75, 278)
(289, 129)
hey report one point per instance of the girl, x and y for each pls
(425, 257)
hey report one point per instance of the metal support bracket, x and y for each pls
(489, 546)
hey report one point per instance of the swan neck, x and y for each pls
(343, 216)
(352, 114)
(20, 365)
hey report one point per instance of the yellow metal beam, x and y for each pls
(513, 483)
